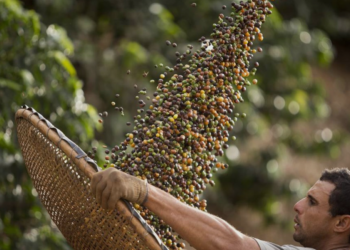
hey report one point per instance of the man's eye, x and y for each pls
(311, 202)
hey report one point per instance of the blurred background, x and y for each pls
(68, 59)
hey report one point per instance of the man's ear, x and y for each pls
(342, 223)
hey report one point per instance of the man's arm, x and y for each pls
(201, 230)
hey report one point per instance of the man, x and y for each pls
(322, 221)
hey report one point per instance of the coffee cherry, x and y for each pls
(176, 142)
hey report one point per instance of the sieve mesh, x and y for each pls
(62, 182)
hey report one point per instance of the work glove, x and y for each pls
(111, 185)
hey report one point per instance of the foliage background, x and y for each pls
(68, 58)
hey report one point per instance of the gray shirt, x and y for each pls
(264, 245)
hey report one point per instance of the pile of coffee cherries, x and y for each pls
(176, 141)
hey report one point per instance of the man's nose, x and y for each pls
(298, 206)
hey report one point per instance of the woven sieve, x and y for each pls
(61, 173)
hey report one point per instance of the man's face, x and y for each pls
(314, 222)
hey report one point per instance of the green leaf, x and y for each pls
(60, 36)
(35, 22)
(27, 77)
(64, 61)
(13, 6)
(5, 83)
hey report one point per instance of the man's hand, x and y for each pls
(111, 185)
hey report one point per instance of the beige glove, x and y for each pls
(111, 185)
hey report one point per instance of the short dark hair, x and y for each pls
(339, 201)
